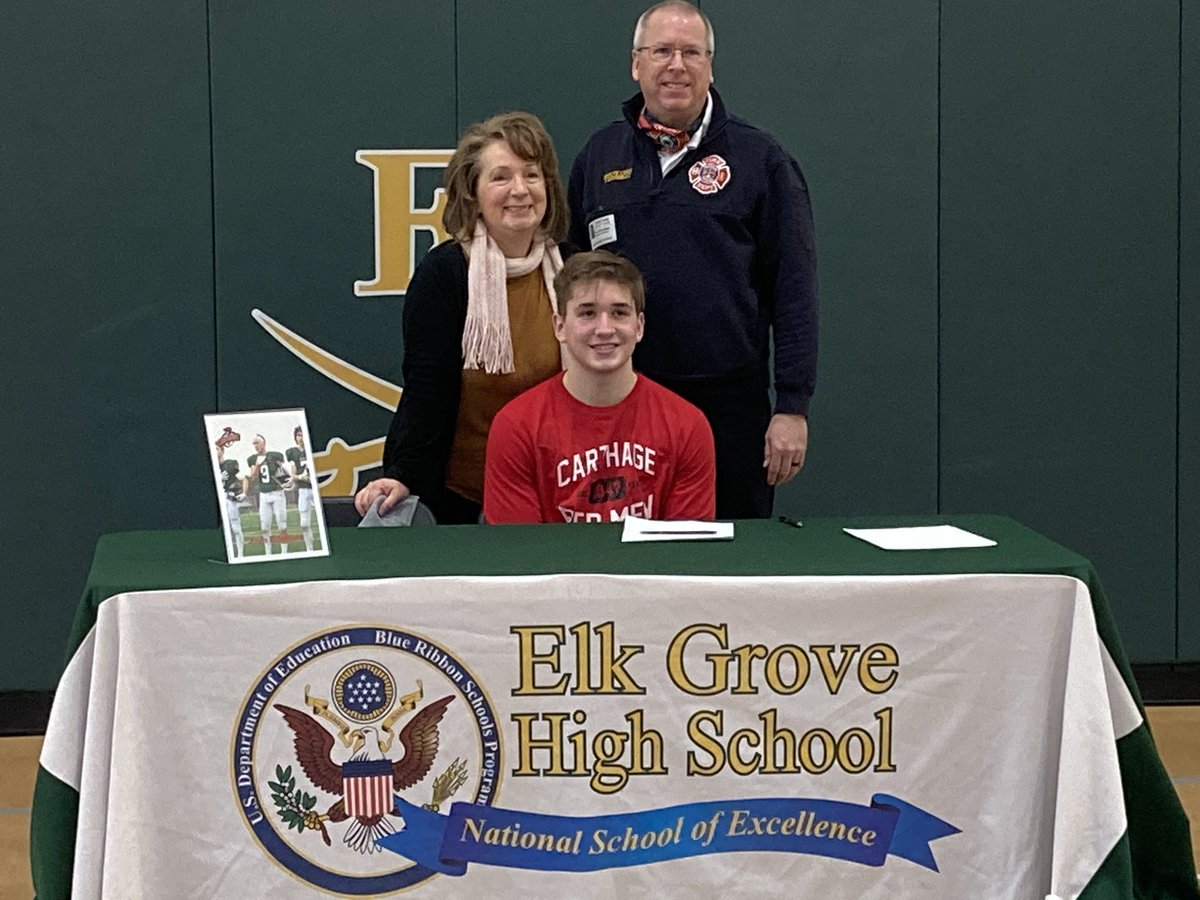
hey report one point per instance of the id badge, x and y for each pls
(602, 231)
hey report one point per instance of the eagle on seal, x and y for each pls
(313, 743)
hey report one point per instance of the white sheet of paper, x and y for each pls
(923, 537)
(637, 529)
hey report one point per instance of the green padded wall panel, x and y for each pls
(298, 90)
(1057, 249)
(566, 62)
(850, 89)
(1189, 336)
(106, 277)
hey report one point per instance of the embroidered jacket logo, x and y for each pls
(709, 175)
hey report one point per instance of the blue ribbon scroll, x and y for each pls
(525, 840)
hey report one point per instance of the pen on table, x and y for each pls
(708, 531)
(795, 523)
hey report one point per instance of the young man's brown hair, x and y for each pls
(599, 265)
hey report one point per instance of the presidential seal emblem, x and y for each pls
(335, 729)
(710, 174)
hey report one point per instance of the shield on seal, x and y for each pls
(367, 787)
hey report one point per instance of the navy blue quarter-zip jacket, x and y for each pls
(725, 243)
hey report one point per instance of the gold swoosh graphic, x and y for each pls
(370, 387)
(342, 464)
(339, 461)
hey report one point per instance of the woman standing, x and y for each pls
(477, 322)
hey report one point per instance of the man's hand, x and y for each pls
(391, 490)
(785, 447)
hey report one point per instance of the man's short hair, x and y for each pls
(599, 265)
(681, 6)
(528, 138)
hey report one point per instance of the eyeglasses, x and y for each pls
(661, 53)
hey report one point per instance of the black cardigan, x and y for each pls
(422, 431)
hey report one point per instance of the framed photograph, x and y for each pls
(266, 487)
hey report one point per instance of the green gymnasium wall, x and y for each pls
(1188, 337)
(1008, 210)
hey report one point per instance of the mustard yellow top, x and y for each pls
(535, 357)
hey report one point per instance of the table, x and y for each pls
(794, 706)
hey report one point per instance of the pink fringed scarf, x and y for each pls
(487, 338)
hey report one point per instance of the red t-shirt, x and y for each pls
(551, 458)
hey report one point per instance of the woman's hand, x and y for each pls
(391, 490)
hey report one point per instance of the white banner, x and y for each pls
(940, 736)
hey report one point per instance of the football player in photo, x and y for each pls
(297, 458)
(233, 486)
(268, 470)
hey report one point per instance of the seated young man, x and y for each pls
(599, 442)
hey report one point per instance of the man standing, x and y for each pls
(598, 442)
(716, 215)
(297, 458)
(266, 469)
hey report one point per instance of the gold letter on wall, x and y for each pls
(398, 217)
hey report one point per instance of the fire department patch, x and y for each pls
(710, 174)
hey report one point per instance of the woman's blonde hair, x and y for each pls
(528, 138)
